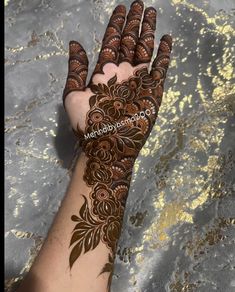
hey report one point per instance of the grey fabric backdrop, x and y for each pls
(178, 233)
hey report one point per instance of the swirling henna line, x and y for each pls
(77, 69)
(111, 40)
(111, 156)
(145, 45)
(130, 33)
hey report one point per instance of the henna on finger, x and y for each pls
(130, 33)
(145, 45)
(161, 62)
(111, 41)
(160, 65)
(77, 69)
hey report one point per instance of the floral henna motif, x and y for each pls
(128, 110)
(111, 156)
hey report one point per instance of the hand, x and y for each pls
(122, 97)
(123, 52)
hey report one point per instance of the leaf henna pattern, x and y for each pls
(86, 233)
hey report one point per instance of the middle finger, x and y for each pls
(130, 33)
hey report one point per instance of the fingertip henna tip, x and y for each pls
(72, 42)
(77, 44)
(168, 39)
(120, 9)
(151, 10)
(138, 2)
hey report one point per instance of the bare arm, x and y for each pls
(51, 270)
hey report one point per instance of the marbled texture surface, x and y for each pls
(179, 226)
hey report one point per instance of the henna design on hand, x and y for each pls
(111, 156)
(145, 45)
(111, 40)
(130, 33)
(117, 45)
(77, 68)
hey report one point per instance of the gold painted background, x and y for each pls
(178, 233)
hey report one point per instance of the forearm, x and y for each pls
(51, 270)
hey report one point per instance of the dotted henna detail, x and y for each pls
(161, 62)
(145, 45)
(130, 33)
(118, 45)
(111, 40)
(77, 69)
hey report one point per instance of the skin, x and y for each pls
(80, 248)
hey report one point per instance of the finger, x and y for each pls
(77, 69)
(112, 37)
(161, 64)
(130, 33)
(145, 45)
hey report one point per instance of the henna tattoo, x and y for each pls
(130, 33)
(108, 268)
(161, 62)
(111, 156)
(145, 45)
(117, 46)
(111, 40)
(78, 69)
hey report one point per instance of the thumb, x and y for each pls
(161, 62)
